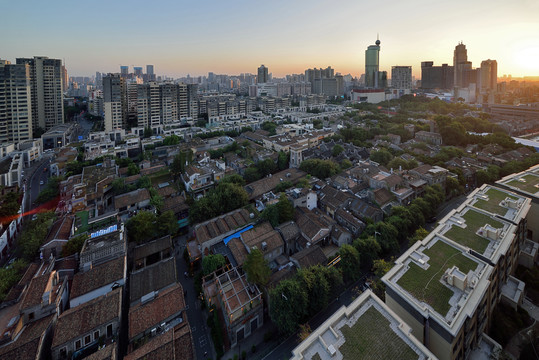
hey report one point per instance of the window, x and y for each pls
(31, 316)
(63, 353)
(78, 344)
(254, 324)
(87, 339)
(240, 335)
(109, 331)
(96, 335)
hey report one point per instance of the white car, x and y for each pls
(41, 182)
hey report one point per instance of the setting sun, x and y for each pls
(528, 60)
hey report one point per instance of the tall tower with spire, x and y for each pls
(373, 78)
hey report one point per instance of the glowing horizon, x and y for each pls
(181, 38)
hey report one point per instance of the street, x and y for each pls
(195, 315)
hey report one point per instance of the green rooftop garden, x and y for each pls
(528, 186)
(467, 236)
(425, 285)
(494, 199)
(371, 338)
(82, 222)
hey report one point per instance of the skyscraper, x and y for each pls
(401, 77)
(436, 77)
(489, 75)
(461, 66)
(47, 91)
(137, 70)
(15, 102)
(150, 75)
(262, 74)
(124, 71)
(372, 63)
(115, 102)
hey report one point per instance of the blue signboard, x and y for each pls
(80, 137)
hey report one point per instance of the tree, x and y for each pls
(171, 140)
(141, 227)
(74, 245)
(288, 305)
(271, 214)
(282, 160)
(349, 263)
(337, 150)
(257, 269)
(320, 168)
(266, 167)
(345, 164)
(251, 174)
(148, 132)
(167, 224)
(386, 235)
(381, 267)
(234, 179)
(317, 288)
(419, 235)
(381, 156)
(453, 187)
(211, 263)
(11, 275)
(368, 250)
(285, 209)
(132, 169)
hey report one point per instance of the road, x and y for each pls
(195, 316)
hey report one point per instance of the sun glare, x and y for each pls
(528, 60)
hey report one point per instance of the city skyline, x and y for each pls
(181, 38)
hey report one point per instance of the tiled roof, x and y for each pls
(176, 204)
(152, 278)
(131, 198)
(88, 316)
(152, 247)
(313, 226)
(382, 196)
(34, 292)
(221, 225)
(61, 229)
(98, 276)
(167, 191)
(27, 345)
(174, 344)
(260, 234)
(289, 230)
(310, 256)
(349, 218)
(16, 290)
(168, 303)
(259, 187)
(238, 250)
(108, 353)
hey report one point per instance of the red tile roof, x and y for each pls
(98, 276)
(88, 316)
(168, 303)
(174, 344)
(27, 345)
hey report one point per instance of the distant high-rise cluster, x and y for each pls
(324, 81)
(468, 83)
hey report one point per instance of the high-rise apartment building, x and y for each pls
(65, 79)
(15, 102)
(262, 74)
(401, 77)
(115, 102)
(489, 75)
(436, 77)
(137, 71)
(47, 91)
(461, 66)
(372, 64)
(150, 75)
(124, 71)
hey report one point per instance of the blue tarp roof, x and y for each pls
(236, 234)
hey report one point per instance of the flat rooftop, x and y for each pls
(498, 201)
(440, 279)
(526, 181)
(476, 230)
(366, 329)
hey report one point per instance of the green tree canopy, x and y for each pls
(368, 249)
(257, 269)
(289, 304)
(211, 263)
(320, 168)
(74, 245)
(382, 156)
(350, 264)
(141, 227)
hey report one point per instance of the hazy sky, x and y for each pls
(233, 36)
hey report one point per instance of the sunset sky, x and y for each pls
(195, 37)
